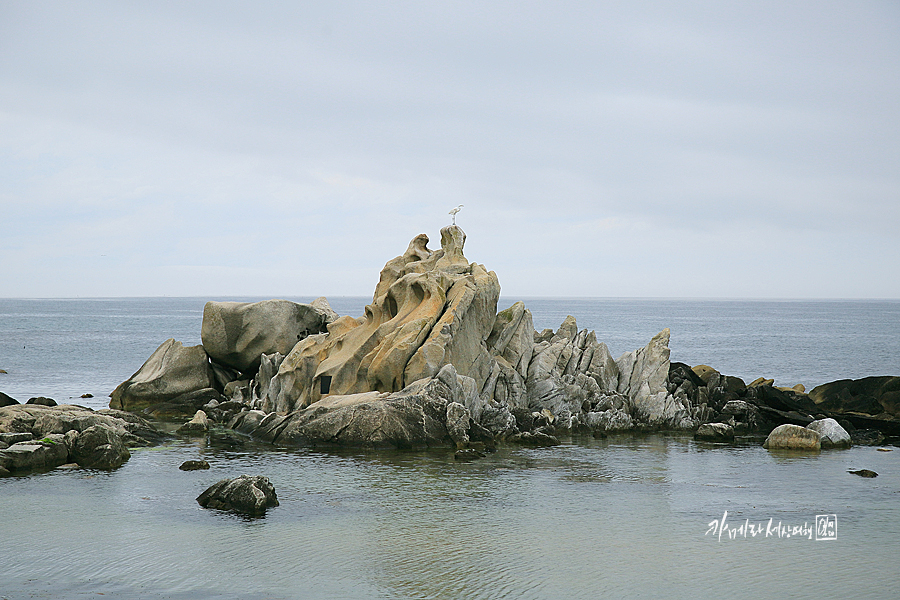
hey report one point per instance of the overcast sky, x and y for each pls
(658, 149)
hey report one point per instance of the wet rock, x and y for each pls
(194, 465)
(866, 437)
(874, 396)
(199, 425)
(7, 400)
(42, 401)
(793, 437)
(250, 495)
(99, 447)
(864, 473)
(534, 439)
(715, 432)
(468, 454)
(831, 434)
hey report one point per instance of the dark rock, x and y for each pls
(533, 438)
(184, 405)
(194, 465)
(87, 395)
(871, 396)
(245, 494)
(224, 438)
(715, 432)
(7, 400)
(468, 454)
(864, 473)
(41, 400)
(99, 447)
(866, 437)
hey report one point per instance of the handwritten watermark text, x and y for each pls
(824, 528)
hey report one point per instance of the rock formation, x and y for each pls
(430, 308)
(236, 334)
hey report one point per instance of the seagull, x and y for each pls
(453, 213)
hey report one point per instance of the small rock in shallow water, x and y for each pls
(864, 473)
(885, 450)
(87, 395)
(194, 465)
(468, 454)
(245, 494)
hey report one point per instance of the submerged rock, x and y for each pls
(194, 465)
(250, 495)
(715, 432)
(864, 473)
(793, 437)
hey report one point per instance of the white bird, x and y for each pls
(453, 213)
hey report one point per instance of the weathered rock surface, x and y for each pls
(236, 334)
(877, 397)
(48, 452)
(250, 495)
(715, 432)
(430, 309)
(99, 447)
(171, 371)
(793, 437)
(197, 425)
(831, 434)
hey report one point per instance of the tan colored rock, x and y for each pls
(430, 309)
(704, 372)
(793, 437)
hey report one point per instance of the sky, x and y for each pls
(607, 149)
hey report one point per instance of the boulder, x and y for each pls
(41, 454)
(99, 447)
(864, 473)
(194, 465)
(198, 425)
(42, 400)
(831, 434)
(244, 494)
(185, 405)
(430, 309)
(715, 432)
(171, 371)
(792, 437)
(235, 334)
(7, 400)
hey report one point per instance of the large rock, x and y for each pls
(99, 447)
(831, 434)
(45, 453)
(793, 437)
(171, 371)
(872, 396)
(7, 400)
(430, 309)
(237, 333)
(427, 413)
(40, 421)
(246, 494)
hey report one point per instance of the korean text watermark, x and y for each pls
(823, 528)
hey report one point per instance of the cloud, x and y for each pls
(608, 149)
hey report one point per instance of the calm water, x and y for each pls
(623, 517)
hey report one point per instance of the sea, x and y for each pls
(628, 516)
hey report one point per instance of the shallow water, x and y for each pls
(628, 516)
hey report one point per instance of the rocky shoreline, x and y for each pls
(432, 363)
